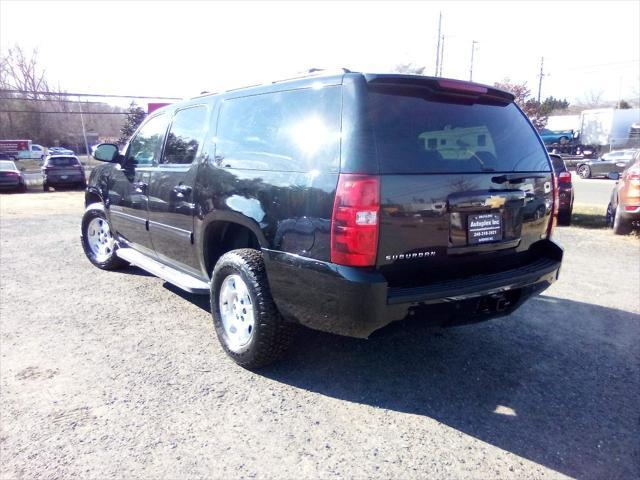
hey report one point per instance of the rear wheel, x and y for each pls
(584, 171)
(98, 242)
(621, 226)
(564, 219)
(248, 325)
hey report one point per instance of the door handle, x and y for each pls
(140, 187)
(182, 190)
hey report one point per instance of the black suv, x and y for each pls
(341, 202)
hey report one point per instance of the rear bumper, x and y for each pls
(630, 215)
(355, 302)
(70, 180)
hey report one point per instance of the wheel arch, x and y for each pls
(91, 196)
(226, 232)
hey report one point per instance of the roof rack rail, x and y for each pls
(311, 72)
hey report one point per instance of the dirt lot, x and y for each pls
(117, 375)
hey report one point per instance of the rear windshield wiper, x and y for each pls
(516, 177)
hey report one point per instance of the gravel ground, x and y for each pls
(118, 375)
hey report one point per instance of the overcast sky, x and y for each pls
(182, 48)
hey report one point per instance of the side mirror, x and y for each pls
(106, 152)
(613, 176)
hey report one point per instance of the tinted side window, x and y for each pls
(146, 145)
(296, 130)
(185, 136)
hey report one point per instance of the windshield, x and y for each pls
(63, 162)
(7, 166)
(417, 134)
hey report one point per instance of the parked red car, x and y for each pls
(623, 212)
(565, 189)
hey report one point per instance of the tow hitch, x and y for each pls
(498, 302)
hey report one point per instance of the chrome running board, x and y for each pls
(175, 277)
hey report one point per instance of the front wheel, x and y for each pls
(98, 242)
(584, 171)
(564, 140)
(248, 325)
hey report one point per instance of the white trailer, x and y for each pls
(607, 127)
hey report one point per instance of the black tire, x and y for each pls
(112, 262)
(584, 171)
(610, 215)
(564, 140)
(271, 335)
(621, 226)
(564, 219)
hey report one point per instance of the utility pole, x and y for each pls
(84, 133)
(438, 47)
(541, 77)
(473, 49)
(441, 55)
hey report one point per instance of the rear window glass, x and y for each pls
(417, 134)
(296, 130)
(7, 166)
(62, 162)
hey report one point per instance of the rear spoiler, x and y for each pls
(441, 85)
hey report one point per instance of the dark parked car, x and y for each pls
(610, 162)
(565, 189)
(623, 211)
(63, 171)
(341, 202)
(11, 178)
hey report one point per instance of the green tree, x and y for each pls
(135, 116)
(551, 104)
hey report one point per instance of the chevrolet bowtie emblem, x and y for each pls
(494, 202)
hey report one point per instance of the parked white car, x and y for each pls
(37, 152)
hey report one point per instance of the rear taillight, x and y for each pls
(564, 177)
(355, 220)
(555, 207)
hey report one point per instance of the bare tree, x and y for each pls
(409, 68)
(21, 72)
(22, 114)
(592, 99)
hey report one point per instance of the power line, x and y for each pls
(66, 94)
(64, 113)
(49, 100)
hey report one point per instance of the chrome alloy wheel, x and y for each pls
(236, 311)
(99, 239)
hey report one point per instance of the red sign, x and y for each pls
(152, 107)
(14, 145)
